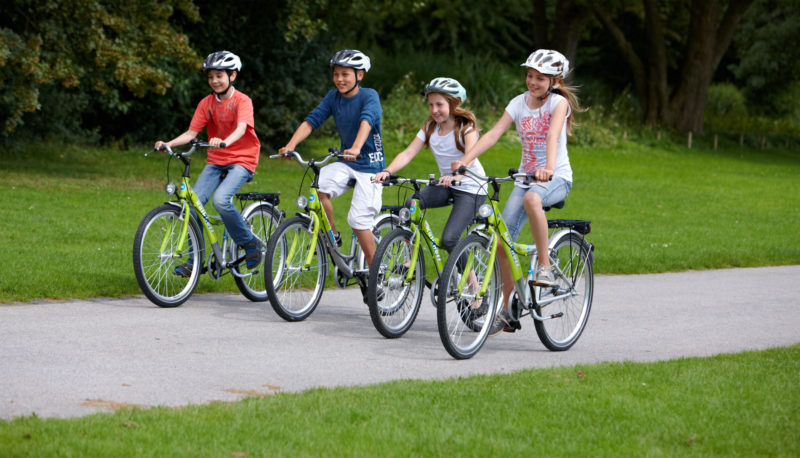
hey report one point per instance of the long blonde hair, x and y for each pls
(568, 92)
(465, 121)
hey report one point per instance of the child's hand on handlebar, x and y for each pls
(447, 180)
(216, 142)
(159, 146)
(284, 152)
(350, 154)
(381, 176)
(543, 174)
(455, 165)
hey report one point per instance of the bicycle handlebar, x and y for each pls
(513, 174)
(194, 144)
(430, 181)
(332, 152)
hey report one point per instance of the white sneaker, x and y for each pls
(544, 276)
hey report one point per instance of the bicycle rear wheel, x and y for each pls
(293, 290)
(574, 274)
(394, 314)
(463, 318)
(262, 220)
(166, 276)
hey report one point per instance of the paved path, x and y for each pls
(74, 358)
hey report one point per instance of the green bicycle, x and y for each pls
(559, 312)
(297, 254)
(398, 267)
(170, 237)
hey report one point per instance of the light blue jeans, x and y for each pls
(551, 192)
(209, 181)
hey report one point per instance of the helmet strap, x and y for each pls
(546, 94)
(549, 90)
(227, 88)
(355, 85)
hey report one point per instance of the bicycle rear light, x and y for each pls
(405, 215)
(485, 211)
(170, 188)
(301, 202)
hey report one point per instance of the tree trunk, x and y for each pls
(567, 27)
(707, 41)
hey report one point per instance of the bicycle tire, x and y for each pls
(263, 220)
(155, 261)
(462, 329)
(574, 274)
(293, 292)
(393, 315)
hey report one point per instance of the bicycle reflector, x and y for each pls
(170, 188)
(301, 202)
(405, 215)
(485, 211)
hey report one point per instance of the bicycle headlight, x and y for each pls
(405, 215)
(485, 211)
(301, 202)
(170, 188)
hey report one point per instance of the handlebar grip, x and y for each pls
(512, 172)
(222, 145)
(462, 170)
(455, 183)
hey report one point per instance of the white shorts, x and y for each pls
(366, 202)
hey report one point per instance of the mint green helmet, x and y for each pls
(447, 86)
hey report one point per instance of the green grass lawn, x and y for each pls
(70, 213)
(728, 405)
(69, 218)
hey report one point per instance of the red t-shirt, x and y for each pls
(221, 118)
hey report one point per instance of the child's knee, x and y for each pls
(221, 203)
(532, 200)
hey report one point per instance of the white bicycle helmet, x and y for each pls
(447, 86)
(352, 58)
(548, 62)
(222, 60)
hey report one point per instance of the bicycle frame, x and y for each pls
(188, 199)
(318, 221)
(417, 220)
(495, 230)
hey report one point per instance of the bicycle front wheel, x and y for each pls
(463, 316)
(574, 275)
(293, 289)
(166, 275)
(393, 303)
(262, 220)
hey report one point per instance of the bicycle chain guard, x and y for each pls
(434, 287)
(214, 269)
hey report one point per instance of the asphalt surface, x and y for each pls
(65, 359)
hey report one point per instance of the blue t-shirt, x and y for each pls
(348, 112)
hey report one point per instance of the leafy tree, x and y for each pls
(115, 51)
(672, 92)
(766, 61)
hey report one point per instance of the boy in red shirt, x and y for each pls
(228, 116)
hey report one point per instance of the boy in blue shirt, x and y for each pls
(357, 113)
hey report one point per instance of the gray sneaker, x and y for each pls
(544, 276)
(501, 321)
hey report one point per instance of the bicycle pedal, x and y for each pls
(541, 285)
(512, 326)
